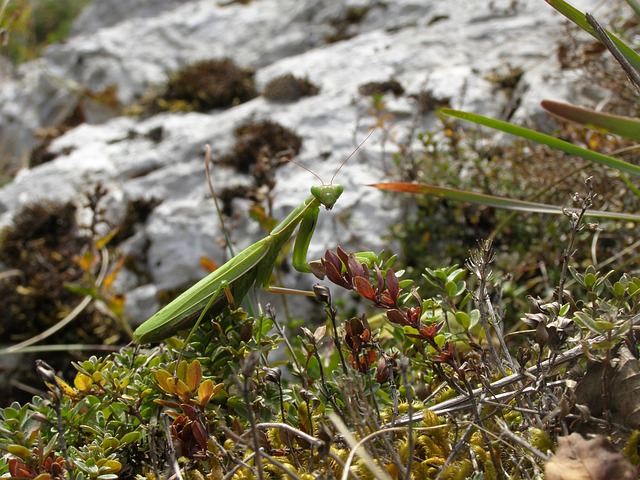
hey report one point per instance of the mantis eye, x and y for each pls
(327, 195)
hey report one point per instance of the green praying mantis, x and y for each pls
(251, 267)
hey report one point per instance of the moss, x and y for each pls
(209, 84)
(257, 140)
(39, 247)
(288, 88)
(427, 102)
(41, 154)
(259, 149)
(43, 252)
(381, 88)
(37, 251)
(352, 15)
(199, 87)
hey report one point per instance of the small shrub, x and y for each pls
(51, 266)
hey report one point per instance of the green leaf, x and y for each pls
(456, 274)
(108, 466)
(451, 289)
(635, 5)
(463, 319)
(11, 413)
(109, 444)
(589, 280)
(604, 344)
(131, 437)
(19, 451)
(466, 299)
(476, 326)
(82, 290)
(604, 325)
(585, 320)
(181, 370)
(618, 289)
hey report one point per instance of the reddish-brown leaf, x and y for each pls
(393, 286)
(355, 268)
(200, 435)
(398, 317)
(364, 288)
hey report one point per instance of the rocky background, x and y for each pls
(91, 111)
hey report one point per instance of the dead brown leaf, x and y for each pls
(625, 387)
(594, 459)
(622, 391)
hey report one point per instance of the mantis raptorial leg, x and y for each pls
(252, 266)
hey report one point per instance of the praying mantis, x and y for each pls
(251, 267)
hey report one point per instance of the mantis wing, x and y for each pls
(238, 275)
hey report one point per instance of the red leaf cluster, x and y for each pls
(50, 467)
(383, 290)
(188, 434)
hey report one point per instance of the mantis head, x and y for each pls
(327, 195)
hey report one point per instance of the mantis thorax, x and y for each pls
(327, 195)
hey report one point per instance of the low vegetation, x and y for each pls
(495, 345)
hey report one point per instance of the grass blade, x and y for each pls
(604, 37)
(577, 17)
(635, 5)
(616, 124)
(545, 140)
(493, 201)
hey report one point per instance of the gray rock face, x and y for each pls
(448, 48)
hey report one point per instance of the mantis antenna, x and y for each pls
(341, 165)
(351, 155)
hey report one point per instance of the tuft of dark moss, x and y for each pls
(427, 102)
(342, 24)
(210, 84)
(260, 148)
(381, 88)
(257, 140)
(136, 213)
(289, 88)
(38, 254)
(39, 248)
(41, 154)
